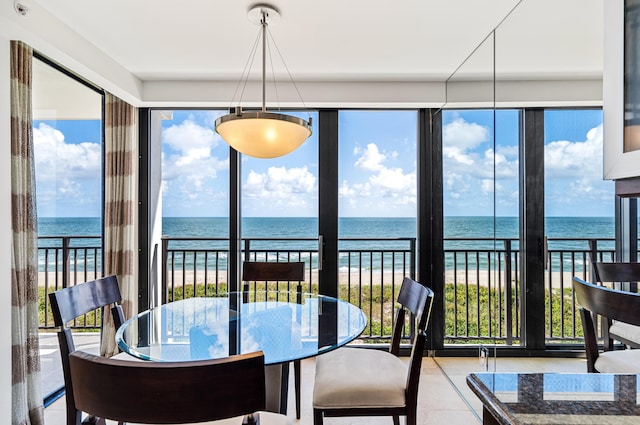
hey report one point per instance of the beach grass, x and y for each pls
(474, 314)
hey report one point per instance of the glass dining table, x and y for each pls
(286, 326)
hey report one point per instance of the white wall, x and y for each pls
(55, 40)
(5, 233)
(617, 164)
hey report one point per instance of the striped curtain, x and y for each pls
(26, 391)
(120, 215)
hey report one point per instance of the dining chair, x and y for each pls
(353, 381)
(611, 304)
(69, 303)
(230, 388)
(622, 272)
(271, 271)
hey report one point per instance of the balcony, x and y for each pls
(482, 296)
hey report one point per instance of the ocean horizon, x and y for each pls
(481, 234)
(349, 227)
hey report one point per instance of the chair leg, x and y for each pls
(412, 417)
(396, 420)
(296, 374)
(317, 417)
(74, 416)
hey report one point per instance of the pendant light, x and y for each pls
(263, 134)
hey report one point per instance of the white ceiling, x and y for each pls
(162, 41)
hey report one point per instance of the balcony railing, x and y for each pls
(65, 261)
(483, 295)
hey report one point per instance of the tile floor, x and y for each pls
(444, 397)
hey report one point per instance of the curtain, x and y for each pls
(120, 215)
(26, 390)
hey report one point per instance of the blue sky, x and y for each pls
(377, 167)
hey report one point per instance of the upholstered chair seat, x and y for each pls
(618, 361)
(626, 332)
(353, 377)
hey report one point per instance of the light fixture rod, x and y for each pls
(263, 134)
(264, 61)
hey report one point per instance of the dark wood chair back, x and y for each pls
(413, 299)
(271, 271)
(610, 273)
(75, 301)
(416, 300)
(608, 303)
(617, 272)
(168, 392)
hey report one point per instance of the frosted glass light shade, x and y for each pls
(263, 134)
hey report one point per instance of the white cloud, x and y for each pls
(499, 165)
(279, 183)
(81, 161)
(461, 140)
(393, 182)
(196, 171)
(190, 170)
(564, 159)
(371, 158)
(464, 135)
(345, 191)
(473, 171)
(193, 142)
(573, 176)
(488, 186)
(68, 175)
(457, 155)
(385, 187)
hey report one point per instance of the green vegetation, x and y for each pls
(470, 311)
(89, 322)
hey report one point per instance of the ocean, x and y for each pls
(391, 229)
(349, 227)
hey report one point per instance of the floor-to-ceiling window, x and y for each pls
(67, 136)
(377, 208)
(376, 193)
(579, 211)
(481, 201)
(194, 203)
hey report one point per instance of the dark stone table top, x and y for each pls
(558, 398)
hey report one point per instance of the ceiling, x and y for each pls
(161, 41)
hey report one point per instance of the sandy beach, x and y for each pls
(473, 277)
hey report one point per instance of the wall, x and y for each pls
(617, 164)
(5, 233)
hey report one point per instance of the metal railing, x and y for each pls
(369, 277)
(64, 261)
(482, 283)
(483, 295)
